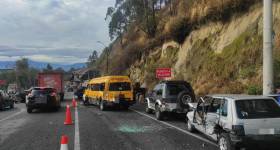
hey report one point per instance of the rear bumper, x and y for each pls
(120, 102)
(172, 107)
(49, 104)
(257, 141)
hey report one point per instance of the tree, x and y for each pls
(22, 70)
(126, 12)
(49, 67)
(92, 59)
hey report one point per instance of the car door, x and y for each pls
(199, 115)
(153, 96)
(213, 116)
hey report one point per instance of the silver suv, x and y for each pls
(237, 121)
(169, 96)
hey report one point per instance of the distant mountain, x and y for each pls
(42, 65)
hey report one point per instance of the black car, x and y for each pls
(169, 96)
(42, 97)
(5, 101)
(80, 92)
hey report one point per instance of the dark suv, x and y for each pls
(42, 97)
(169, 96)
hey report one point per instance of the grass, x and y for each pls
(225, 71)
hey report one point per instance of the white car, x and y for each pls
(237, 121)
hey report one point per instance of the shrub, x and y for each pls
(254, 90)
(178, 28)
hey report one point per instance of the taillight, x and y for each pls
(53, 94)
(238, 130)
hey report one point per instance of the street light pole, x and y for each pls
(267, 48)
(107, 56)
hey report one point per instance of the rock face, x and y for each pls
(216, 57)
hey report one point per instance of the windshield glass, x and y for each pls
(44, 91)
(120, 86)
(254, 109)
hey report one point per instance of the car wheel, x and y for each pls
(224, 142)
(159, 114)
(29, 110)
(147, 109)
(183, 99)
(2, 107)
(190, 126)
(125, 107)
(102, 106)
(86, 103)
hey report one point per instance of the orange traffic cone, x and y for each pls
(68, 118)
(74, 103)
(64, 143)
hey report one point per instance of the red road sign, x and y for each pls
(2, 82)
(163, 72)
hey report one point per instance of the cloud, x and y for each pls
(65, 30)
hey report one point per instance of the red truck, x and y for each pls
(53, 80)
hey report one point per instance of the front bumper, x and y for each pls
(257, 141)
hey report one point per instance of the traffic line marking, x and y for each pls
(177, 128)
(77, 131)
(13, 115)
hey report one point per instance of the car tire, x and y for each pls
(183, 99)
(102, 105)
(125, 107)
(29, 110)
(147, 109)
(158, 113)
(2, 107)
(190, 126)
(85, 102)
(224, 142)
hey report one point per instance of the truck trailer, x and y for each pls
(52, 80)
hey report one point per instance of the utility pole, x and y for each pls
(107, 56)
(267, 48)
(107, 61)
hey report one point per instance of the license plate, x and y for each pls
(41, 100)
(266, 131)
(117, 100)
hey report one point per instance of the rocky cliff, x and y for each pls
(217, 56)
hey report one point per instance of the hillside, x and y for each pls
(215, 46)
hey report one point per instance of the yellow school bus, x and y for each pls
(109, 91)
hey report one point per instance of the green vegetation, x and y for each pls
(254, 90)
(23, 75)
(234, 69)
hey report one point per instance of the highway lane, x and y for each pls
(115, 129)
(112, 129)
(39, 130)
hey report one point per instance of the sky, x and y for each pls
(54, 31)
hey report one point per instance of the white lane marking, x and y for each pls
(13, 115)
(77, 131)
(177, 128)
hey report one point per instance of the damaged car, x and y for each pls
(237, 121)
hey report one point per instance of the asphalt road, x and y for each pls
(112, 129)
